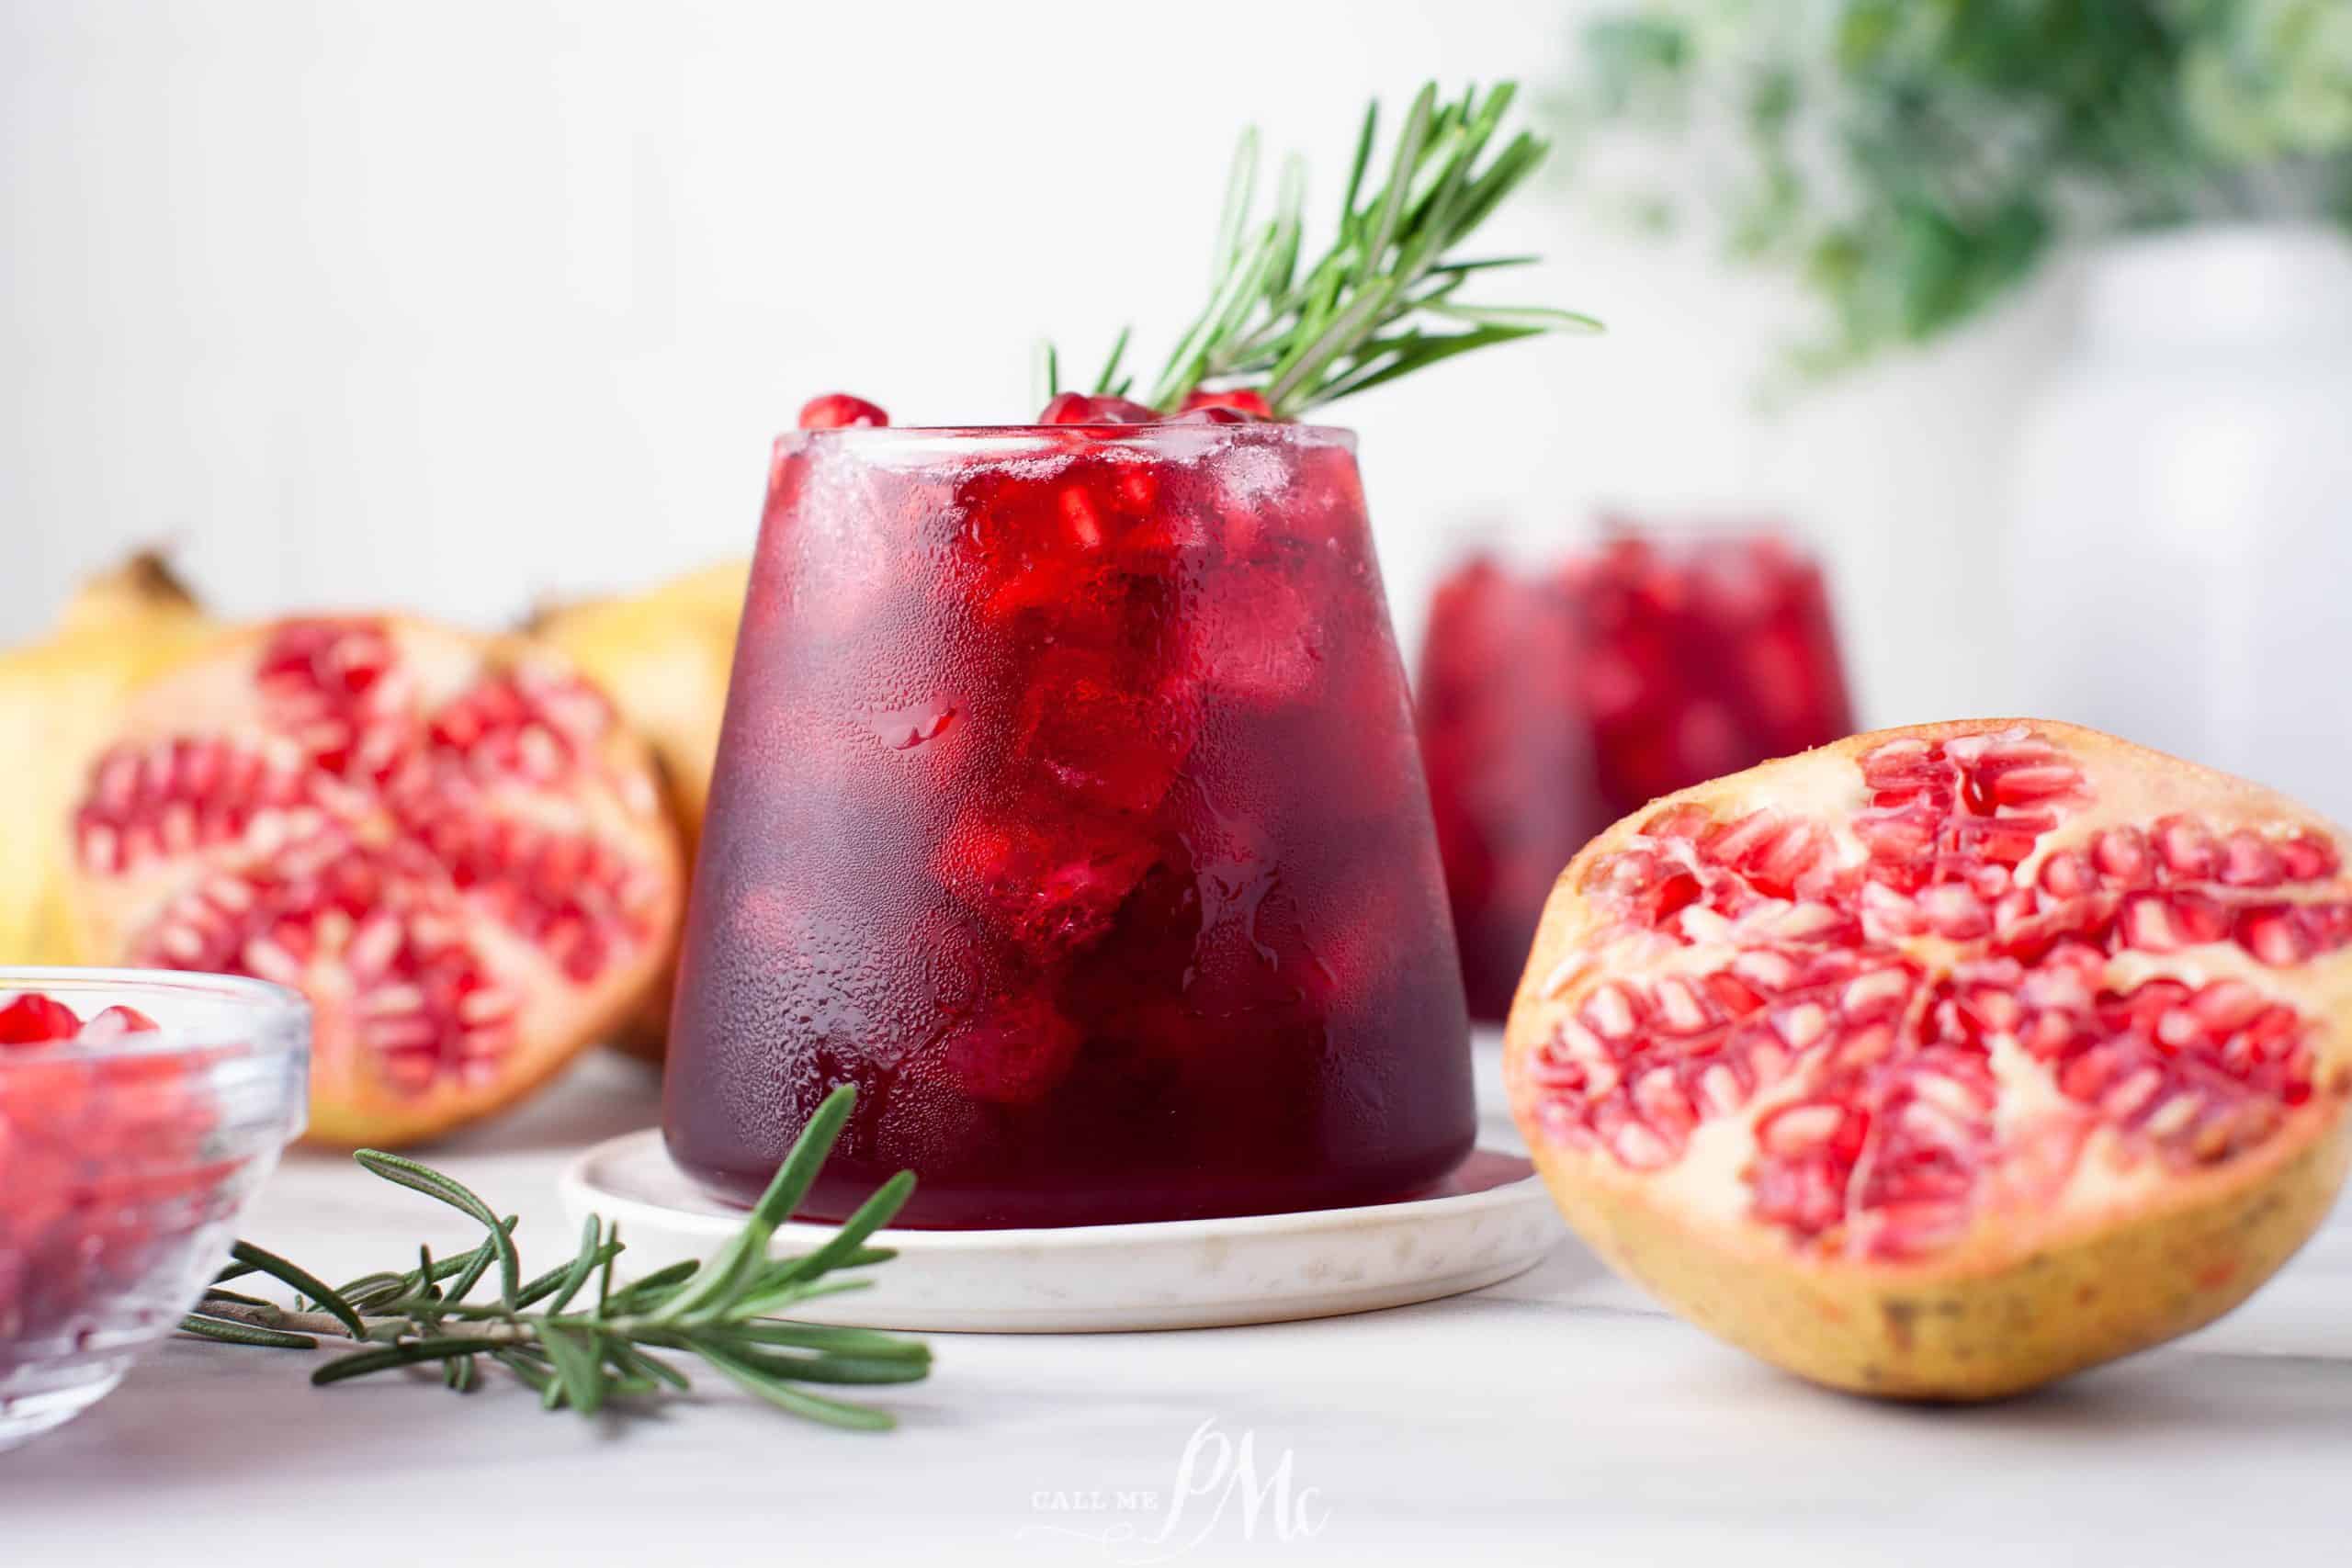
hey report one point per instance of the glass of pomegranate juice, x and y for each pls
(1554, 700)
(1069, 805)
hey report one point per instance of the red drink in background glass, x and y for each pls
(1069, 805)
(1552, 702)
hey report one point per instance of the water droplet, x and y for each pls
(903, 729)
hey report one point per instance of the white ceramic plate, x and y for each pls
(1493, 1223)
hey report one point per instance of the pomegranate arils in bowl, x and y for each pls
(840, 411)
(1943, 1061)
(127, 1144)
(447, 842)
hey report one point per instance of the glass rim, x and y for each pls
(277, 1018)
(1029, 439)
(1516, 544)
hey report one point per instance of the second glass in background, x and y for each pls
(1557, 697)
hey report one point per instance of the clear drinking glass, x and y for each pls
(1069, 805)
(1556, 698)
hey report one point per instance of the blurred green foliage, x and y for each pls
(1913, 160)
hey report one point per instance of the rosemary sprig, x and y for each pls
(574, 1337)
(1379, 302)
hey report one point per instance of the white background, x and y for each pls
(455, 305)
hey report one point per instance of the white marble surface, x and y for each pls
(1554, 1417)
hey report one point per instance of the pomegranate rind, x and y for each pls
(604, 801)
(58, 699)
(2094, 1253)
(665, 657)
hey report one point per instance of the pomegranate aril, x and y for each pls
(2033, 782)
(2275, 934)
(1736, 1000)
(840, 411)
(2122, 857)
(1239, 401)
(2068, 875)
(33, 1019)
(115, 1024)
(2186, 847)
(1612, 1012)
(2147, 924)
(2308, 857)
(2249, 860)
(1078, 408)
(2225, 1006)
(1679, 1010)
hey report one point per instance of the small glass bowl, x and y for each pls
(123, 1165)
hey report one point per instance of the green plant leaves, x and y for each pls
(1913, 161)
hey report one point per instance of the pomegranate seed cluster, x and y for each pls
(358, 839)
(102, 1165)
(1989, 944)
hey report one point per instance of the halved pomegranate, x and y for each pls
(665, 657)
(1942, 1062)
(446, 841)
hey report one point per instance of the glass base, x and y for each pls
(34, 1400)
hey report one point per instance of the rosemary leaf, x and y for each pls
(301, 1279)
(591, 1254)
(1107, 384)
(230, 1331)
(457, 1195)
(782, 1394)
(408, 1353)
(577, 1368)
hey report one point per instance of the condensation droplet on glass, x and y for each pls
(903, 729)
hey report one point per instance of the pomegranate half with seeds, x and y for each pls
(1942, 1062)
(447, 842)
(663, 657)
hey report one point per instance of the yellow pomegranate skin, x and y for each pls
(2105, 1101)
(664, 656)
(56, 696)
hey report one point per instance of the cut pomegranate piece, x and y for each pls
(1942, 1062)
(447, 842)
(838, 410)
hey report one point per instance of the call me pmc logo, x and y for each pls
(1220, 1492)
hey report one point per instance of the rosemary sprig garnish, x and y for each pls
(722, 1310)
(1380, 302)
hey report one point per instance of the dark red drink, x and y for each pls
(1069, 805)
(1554, 702)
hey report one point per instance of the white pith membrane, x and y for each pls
(1871, 1004)
(433, 838)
